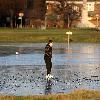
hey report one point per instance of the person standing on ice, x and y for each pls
(47, 58)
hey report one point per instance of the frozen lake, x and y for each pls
(24, 74)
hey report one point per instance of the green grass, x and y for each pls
(29, 35)
(76, 95)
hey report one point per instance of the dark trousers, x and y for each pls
(48, 65)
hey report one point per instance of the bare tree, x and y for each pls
(68, 11)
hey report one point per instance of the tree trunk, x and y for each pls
(39, 9)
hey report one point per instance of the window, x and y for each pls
(90, 6)
(76, 8)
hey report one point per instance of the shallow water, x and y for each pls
(24, 74)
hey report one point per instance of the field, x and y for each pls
(77, 95)
(29, 35)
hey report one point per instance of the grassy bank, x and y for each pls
(30, 35)
(77, 95)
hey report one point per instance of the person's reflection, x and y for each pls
(48, 87)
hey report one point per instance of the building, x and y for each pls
(34, 10)
(92, 5)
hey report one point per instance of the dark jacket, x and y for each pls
(48, 52)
